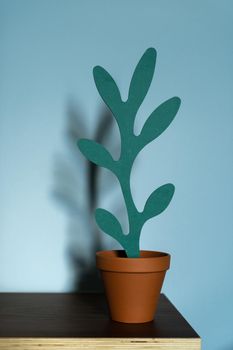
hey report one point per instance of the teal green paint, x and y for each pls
(131, 145)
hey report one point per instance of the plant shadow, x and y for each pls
(77, 188)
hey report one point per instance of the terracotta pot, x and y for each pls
(132, 285)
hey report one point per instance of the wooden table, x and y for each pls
(80, 321)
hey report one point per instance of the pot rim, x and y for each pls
(150, 261)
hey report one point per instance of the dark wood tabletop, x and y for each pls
(81, 315)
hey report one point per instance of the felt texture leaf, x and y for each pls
(158, 201)
(108, 89)
(109, 223)
(142, 78)
(96, 153)
(159, 120)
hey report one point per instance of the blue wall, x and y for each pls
(47, 52)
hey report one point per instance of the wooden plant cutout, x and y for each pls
(131, 145)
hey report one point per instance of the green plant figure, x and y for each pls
(131, 145)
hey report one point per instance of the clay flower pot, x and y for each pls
(132, 285)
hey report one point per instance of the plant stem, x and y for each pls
(125, 163)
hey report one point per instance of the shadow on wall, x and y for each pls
(78, 188)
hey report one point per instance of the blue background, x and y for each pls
(47, 52)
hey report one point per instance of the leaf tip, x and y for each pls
(99, 216)
(177, 101)
(97, 212)
(82, 146)
(80, 143)
(171, 188)
(96, 70)
(151, 52)
(149, 56)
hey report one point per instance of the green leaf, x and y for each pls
(142, 78)
(96, 153)
(109, 224)
(158, 201)
(159, 120)
(108, 89)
